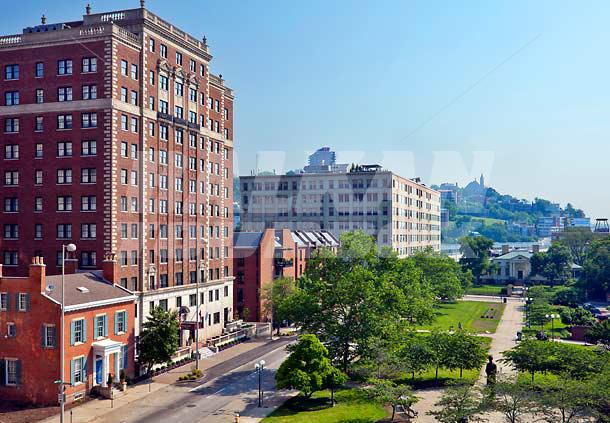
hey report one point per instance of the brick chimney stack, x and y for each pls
(109, 267)
(37, 272)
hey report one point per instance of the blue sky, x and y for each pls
(517, 90)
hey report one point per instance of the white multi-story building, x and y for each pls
(400, 213)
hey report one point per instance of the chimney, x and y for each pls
(535, 248)
(109, 267)
(505, 249)
(71, 263)
(37, 272)
(43, 19)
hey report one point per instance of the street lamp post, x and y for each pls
(528, 303)
(197, 282)
(62, 399)
(259, 369)
(552, 317)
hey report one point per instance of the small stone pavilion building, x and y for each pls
(98, 333)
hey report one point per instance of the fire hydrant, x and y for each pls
(236, 417)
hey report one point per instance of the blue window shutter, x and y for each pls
(125, 320)
(43, 340)
(27, 302)
(8, 302)
(72, 332)
(17, 301)
(125, 357)
(18, 371)
(95, 322)
(84, 330)
(83, 365)
(72, 372)
(105, 325)
(116, 322)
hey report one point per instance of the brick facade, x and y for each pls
(161, 174)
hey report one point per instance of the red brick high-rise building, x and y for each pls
(117, 137)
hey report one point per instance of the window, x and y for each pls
(163, 50)
(151, 45)
(64, 122)
(11, 72)
(77, 371)
(38, 231)
(202, 70)
(39, 124)
(120, 322)
(134, 204)
(124, 147)
(124, 123)
(89, 64)
(179, 112)
(38, 204)
(13, 372)
(64, 231)
(11, 258)
(134, 230)
(216, 318)
(88, 230)
(163, 132)
(151, 77)
(89, 148)
(39, 70)
(163, 82)
(64, 94)
(23, 301)
(179, 88)
(179, 58)
(11, 125)
(11, 205)
(11, 151)
(88, 259)
(134, 71)
(64, 203)
(179, 278)
(226, 113)
(151, 103)
(89, 120)
(163, 106)
(124, 94)
(134, 124)
(101, 327)
(11, 178)
(64, 67)
(3, 301)
(124, 66)
(64, 149)
(88, 175)
(134, 258)
(88, 203)
(49, 336)
(134, 178)
(134, 151)
(192, 65)
(151, 129)
(64, 176)
(11, 231)
(163, 157)
(89, 92)
(11, 98)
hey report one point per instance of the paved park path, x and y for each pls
(502, 340)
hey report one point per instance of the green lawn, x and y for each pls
(469, 314)
(485, 290)
(352, 406)
(561, 330)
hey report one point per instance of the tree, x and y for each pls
(531, 356)
(567, 401)
(596, 269)
(159, 339)
(438, 344)
(447, 280)
(274, 299)
(578, 241)
(513, 399)
(335, 378)
(387, 392)
(464, 352)
(307, 368)
(599, 333)
(554, 264)
(475, 254)
(415, 355)
(459, 403)
(576, 316)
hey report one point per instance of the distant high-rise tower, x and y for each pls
(482, 180)
(323, 157)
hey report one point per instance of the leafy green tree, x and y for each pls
(554, 264)
(159, 339)
(514, 400)
(446, 277)
(275, 301)
(459, 403)
(599, 333)
(386, 392)
(596, 269)
(464, 352)
(335, 378)
(415, 355)
(532, 356)
(578, 241)
(438, 345)
(576, 316)
(570, 295)
(307, 368)
(567, 401)
(475, 254)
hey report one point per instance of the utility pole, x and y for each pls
(62, 398)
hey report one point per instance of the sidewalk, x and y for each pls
(96, 408)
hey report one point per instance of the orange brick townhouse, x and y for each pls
(98, 333)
